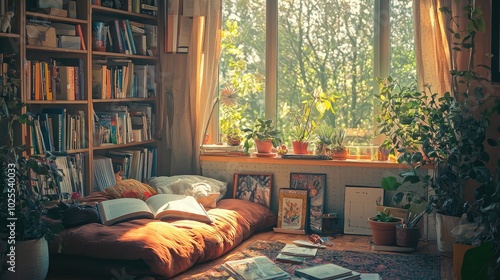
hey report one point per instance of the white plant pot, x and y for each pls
(31, 260)
(444, 225)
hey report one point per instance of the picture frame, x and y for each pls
(292, 209)
(253, 187)
(315, 184)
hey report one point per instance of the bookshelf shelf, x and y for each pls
(124, 55)
(54, 50)
(55, 102)
(100, 10)
(119, 146)
(55, 18)
(152, 99)
(10, 35)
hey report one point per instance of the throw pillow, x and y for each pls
(130, 188)
(200, 187)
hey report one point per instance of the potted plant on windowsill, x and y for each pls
(22, 207)
(339, 151)
(306, 121)
(446, 133)
(265, 136)
(324, 135)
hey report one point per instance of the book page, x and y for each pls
(120, 209)
(178, 207)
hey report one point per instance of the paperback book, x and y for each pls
(261, 268)
(299, 251)
(327, 272)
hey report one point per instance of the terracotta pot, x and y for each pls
(300, 148)
(407, 237)
(339, 154)
(264, 147)
(384, 233)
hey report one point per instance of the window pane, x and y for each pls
(403, 61)
(242, 64)
(326, 45)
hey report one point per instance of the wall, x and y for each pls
(337, 177)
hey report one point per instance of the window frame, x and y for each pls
(381, 58)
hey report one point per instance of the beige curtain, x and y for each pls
(432, 45)
(190, 83)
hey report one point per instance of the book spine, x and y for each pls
(80, 34)
(130, 37)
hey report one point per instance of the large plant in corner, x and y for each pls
(444, 132)
(21, 206)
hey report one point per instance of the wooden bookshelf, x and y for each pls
(86, 14)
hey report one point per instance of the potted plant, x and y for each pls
(305, 122)
(233, 137)
(339, 151)
(264, 134)
(324, 135)
(22, 206)
(383, 227)
(446, 133)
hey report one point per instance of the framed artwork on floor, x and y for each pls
(292, 209)
(253, 187)
(315, 184)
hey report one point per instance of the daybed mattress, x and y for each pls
(167, 248)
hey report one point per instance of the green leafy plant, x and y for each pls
(338, 139)
(262, 130)
(22, 177)
(305, 123)
(446, 133)
(384, 216)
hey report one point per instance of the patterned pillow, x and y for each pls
(130, 188)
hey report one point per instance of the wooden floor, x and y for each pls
(340, 242)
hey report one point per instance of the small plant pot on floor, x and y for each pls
(384, 233)
(407, 237)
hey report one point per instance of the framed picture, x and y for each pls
(292, 209)
(495, 41)
(253, 187)
(315, 184)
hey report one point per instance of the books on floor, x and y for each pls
(298, 251)
(160, 207)
(289, 258)
(261, 268)
(326, 272)
(307, 243)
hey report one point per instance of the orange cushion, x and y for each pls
(130, 188)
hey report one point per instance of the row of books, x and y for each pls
(125, 36)
(122, 124)
(61, 79)
(134, 163)
(149, 7)
(123, 79)
(55, 130)
(72, 169)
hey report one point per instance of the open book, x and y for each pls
(160, 207)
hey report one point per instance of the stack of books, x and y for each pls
(333, 271)
(261, 268)
(222, 150)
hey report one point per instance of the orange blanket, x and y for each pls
(169, 248)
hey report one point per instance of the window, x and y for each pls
(337, 47)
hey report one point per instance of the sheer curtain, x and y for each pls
(190, 84)
(432, 45)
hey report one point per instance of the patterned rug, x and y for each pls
(389, 266)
